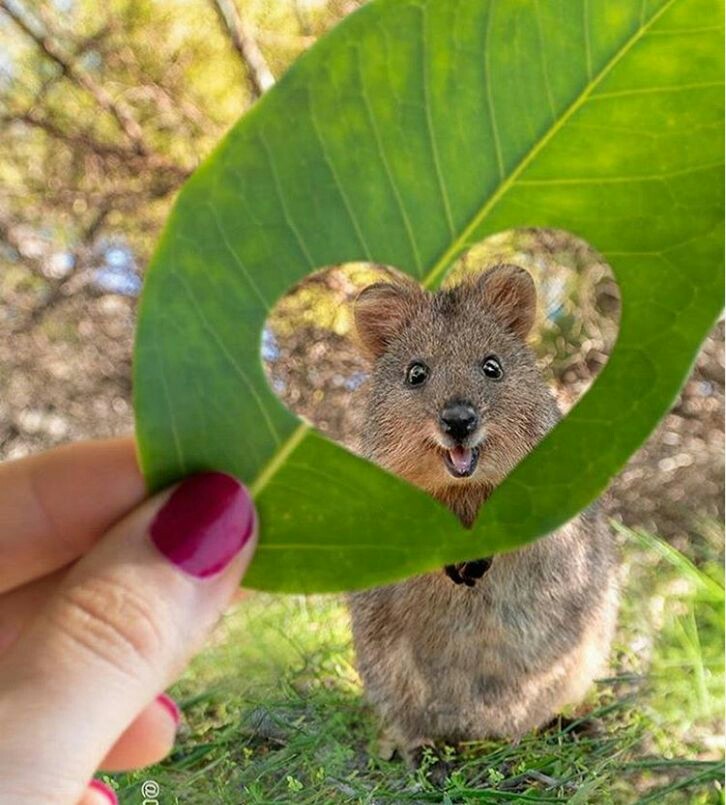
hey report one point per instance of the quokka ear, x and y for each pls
(381, 311)
(509, 292)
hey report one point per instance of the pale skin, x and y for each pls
(79, 693)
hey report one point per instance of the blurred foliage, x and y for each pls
(105, 109)
(577, 316)
(310, 349)
(323, 299)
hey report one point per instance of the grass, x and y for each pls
(273, 709)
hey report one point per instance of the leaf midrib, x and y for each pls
(459, 243)
(278, 459)
(286, 448)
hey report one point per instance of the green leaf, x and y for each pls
(412, 131)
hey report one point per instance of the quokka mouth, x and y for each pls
(461, 461)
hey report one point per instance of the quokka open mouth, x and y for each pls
(461, 461)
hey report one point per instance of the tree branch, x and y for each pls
(55, 53)
(88, 142)
(258, 71)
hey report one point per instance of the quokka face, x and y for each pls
(457, 399)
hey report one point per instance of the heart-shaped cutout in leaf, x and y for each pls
(409, 133)
(314, 359)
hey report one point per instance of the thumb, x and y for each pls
(120, 628)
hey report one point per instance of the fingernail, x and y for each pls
(105, 790)
(204, 524)
(171, 706)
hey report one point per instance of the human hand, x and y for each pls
(103, 599)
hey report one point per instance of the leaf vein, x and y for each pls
(713, 29)
(172, 419)
(338, 184)
(283, 204)
(430, 126)
(387, 167)
(586, 31)
(335, 481)
(278, 459)
(621, 179)
(490, 98)
(622, 93)
(543, 61)
(236, 257)
(455, 247)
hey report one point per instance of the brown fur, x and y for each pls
(445, 661)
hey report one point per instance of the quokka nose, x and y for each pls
(458, 420)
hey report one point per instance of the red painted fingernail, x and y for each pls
(169, 704)
(204, 524)
(107, 792)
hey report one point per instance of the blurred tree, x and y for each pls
(105, 109)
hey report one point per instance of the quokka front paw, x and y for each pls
(468, 572)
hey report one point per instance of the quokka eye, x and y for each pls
(417, 373)
(492, 368)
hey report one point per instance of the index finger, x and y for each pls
(55, 505)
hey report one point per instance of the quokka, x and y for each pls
(494, 647)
